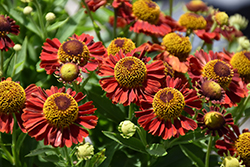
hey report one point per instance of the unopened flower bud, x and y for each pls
(238, 21)
(127, 129)
(27, 1)
(27, 10)
(85, 151)
(244, 42)
(230, 161)
(221, 18)
(17, 47)
(50, 16)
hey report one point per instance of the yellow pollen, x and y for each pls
(60, 110)
(74, 50)
(146, 10)
(241, 61)
(212, 90)
(220, 71)
(242, 146)
(5, 26)
(168, 103)
(221, 18)
(192, 21)
(177, 45)
(124, 44)
(12, 97)
(130, 72)
(214, 120)
(69, 72)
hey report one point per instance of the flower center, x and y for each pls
(12, 97)
(74, 50)
(130, 72)
(221, 18)
(60, 110)
(212, 90)
(69, 72)
(214, 120)
(168, 103)
(5, 26)
(124, 44)
(241, 61)
(218, 70)
(242, 145)
(146, 10)
(192, 21)
(177, 45)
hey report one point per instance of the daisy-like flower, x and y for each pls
(124, 44)
(215, 121)
(128, 77)
(210, 66)
(54, 115)
(162, 114)
(120, 3)
(236, 143)
(78, 49)
(95, 4)
(12, 102)
(7, 25)
(150, 20)
(196, 6)
(192, 21)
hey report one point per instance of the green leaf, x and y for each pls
(110, 151)
(132, 143)
(156, 149)
(57, 25)
(51, 158)
(196, 160)
(98, 158)
(20, 140)
(39, 151)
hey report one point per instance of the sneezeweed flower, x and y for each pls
(128, 77)
(127, 129)
(121, 22)
(214, 121)
(209, 65)
(238, 21)
(120, 3)
(236, 143)
(78, 49)
(12, 102)
(221, 18)
(124, 44)
(150, 20)
(162, 114)
(55, 116)
(7, 25)
(192, 21)
(95, 4)
(244, 43)
(85, 151)
(196, 6)
(231, 161)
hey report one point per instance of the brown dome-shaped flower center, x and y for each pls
(69, 72)
(12, 97)
(192, 21)
(5, 26)
(60, 110)
(220, 71)
(168, 103)
(214, 120)
(130, 72)
(242, 146)
(241, 61)
(74, 50)
(146, 10)
(212, 90)
(124, 44)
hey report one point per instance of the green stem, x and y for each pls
(1, 63)
(13, 147)
(142, 137)
(7, 153)
(208, 151)
(40, 18)
(76, 87)
(87, 79)
(115, 22)
(14, 68)
(96, 27)
(67, 156)
(241, 109)
(131, 111)
(170, 8)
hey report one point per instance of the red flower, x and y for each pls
(129, 78)
(210, 66)
(120, 3)
(54, 115)
(95, 4)
(79, 49)
(121, 22)
(162, 116)
(7, 25)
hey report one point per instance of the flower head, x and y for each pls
(50, 16)
(55, 116)
(7, 25)
(238, 21)
(231, 161)
(124, 44)
(221, 18)
(85, 151)
(127, 129)
(162, 114)
(196, 6)
(27, 10)
(192, 21)
(95, 4)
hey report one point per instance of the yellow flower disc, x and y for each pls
(220, 71)
(241, 61)
(74, 50)
(221, 18)
(130, 72)
(212, 90)
(177, 45)
(124, 44)
(5, 26)
(242, 145)
(214, 120)
(168, 103)
(69, 72)
(12, 97)
(60, 110)
(146, 10)
(192, 21)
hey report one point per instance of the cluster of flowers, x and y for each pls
(160, 87)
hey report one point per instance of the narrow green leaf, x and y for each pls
(110, 151)
(21, 57)
(132, 142)
(51, 158)
(156, 149)
(20, 140)
(57, 25)
(39, 151)
(98, 158)
(196, 160)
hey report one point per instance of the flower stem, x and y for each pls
(131, 111)
(170, 8)
(142, 136)
(40, 18)
(87, 79)
(14, 68)
(7, 153)
(1, 63)
(69, 163)
(241, 109)
(208, 151)
(13, 147)
(115, 22)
